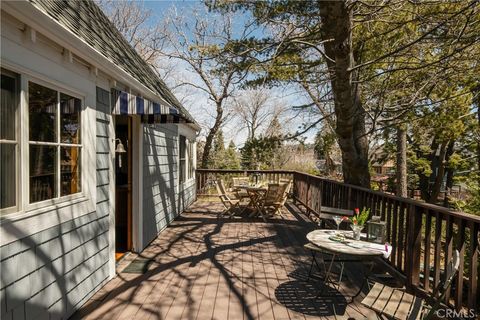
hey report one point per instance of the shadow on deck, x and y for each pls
(208, 268)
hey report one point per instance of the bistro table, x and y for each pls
(341, 244)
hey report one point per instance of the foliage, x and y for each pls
(222, 158)
(472, 202)
(360, 218)
(259, 153)
(401, 55)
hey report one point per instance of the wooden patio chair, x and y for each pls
(397, 304)
(230, 204)
(274, 198)
(241, 193)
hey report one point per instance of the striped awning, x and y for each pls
(124, 103)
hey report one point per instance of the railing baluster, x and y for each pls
(401, 232)
(414, 238)
(426, 254)
(461, 249)
(394, 234)
(473, 281)
(448, 248)
(437, 251)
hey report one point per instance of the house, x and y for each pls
(97, 155)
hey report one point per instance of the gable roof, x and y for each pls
(88, 22)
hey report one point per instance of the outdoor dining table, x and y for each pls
(341, 244)
(255, 194)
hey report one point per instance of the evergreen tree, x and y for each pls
(218, 154)
(260, 153)
(231, 160)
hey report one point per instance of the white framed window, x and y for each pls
(54, 143)
(191, 164)
(186, 159)
(45, 147)
(9, 142)
(182, 153)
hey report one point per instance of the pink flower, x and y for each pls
(357, 211)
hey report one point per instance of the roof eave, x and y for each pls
(47, 26)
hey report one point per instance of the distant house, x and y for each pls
(97, 155)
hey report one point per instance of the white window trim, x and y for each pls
(11, 210)
(24, 208)
(190, 137)
(58, 199)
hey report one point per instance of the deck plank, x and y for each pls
(209, 268)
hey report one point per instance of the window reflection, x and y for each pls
(70, 109)
(9, 107)
(8, 146)
(42, 106)
(70, 170)
(43, 172)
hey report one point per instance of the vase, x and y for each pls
(356, 231)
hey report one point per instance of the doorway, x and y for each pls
(123, 185)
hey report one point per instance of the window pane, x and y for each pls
(8, 179)
(70, 170)
(182, 170)
(182, 147)
(70, 108)
(42, 172)
(42, 107)
(9, 97)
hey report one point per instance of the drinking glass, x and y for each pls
(337, 220)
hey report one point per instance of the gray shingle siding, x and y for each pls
(49, 274)
(42, 273)
(161, 200)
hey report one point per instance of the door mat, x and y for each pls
(139, 265)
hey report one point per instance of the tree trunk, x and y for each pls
(401, 161)
(424, 180)
(448, 188)
(209, 141)
(350, 127)
(446, 150)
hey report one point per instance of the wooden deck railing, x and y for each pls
(423, 236)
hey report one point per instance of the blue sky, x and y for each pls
(161, 8)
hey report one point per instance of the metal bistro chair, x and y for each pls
(397, 304)
(230, 204)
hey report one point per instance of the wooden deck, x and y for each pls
(209, 268)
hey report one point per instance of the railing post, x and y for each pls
(473, 275)
(414, 239)
(461, 249)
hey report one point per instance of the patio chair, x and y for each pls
(241, 193)
(230, 204)
(397, 304)
(274, 198)
(241, 181)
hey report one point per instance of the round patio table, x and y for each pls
(346, 246)
(325, 239)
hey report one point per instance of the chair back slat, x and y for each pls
(221, 187)
(241, 181)
(272, 192)
(276, 193)
(222, 194)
